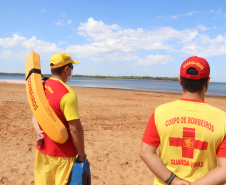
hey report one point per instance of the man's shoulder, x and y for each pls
(59, 83)
(70, 96)
(180, 104)
(71, 92)
(215, 109)
(58, 87)
(168, 105)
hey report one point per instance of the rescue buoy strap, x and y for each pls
(33, 70)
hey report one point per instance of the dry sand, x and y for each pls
(113, 120)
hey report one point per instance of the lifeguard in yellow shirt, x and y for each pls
(190, 134)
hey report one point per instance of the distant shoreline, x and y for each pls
(13, 81)
(106, 77)
(23, 82)
(133, 84)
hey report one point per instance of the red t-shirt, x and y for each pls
(63, 101)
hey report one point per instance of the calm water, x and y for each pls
(216, 88)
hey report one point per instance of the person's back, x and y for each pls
(190, 133)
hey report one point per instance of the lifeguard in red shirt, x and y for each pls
(54, 161)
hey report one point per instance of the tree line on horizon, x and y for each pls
(107, 77)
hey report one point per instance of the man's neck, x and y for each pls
(196, 96)
(58, 77)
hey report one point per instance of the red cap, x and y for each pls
(200, 64)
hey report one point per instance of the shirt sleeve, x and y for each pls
(151, 136)
(221, 151)
(69, 106)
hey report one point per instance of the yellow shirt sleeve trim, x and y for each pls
(69, 106)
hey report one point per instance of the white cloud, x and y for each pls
(202, 27)
(155, 59)
(189, 13)
(218, 11)
(40, 46)
(64, 20)
(173, 16)
(177, 16)
(112, 40)
(100, 53)
(97, 29)
(7, 54)
(62, 42)
(16, 47)
(14, 55)
(60, 23)
(206, 47)
(111, 43)
(11, 42)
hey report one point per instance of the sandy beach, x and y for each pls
(114, 121)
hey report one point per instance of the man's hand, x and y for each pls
(40, 138)
(81, 158)
(216, 176)
(155, 164)
(177, 181)
(40, 133)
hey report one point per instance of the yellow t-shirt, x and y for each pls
(191, 135)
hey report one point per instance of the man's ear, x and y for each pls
(179, 78)
(207, 85)
(66, 69)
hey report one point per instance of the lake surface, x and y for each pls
(216, 88)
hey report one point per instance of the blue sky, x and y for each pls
(117, 37)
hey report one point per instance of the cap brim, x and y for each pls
(75, 62)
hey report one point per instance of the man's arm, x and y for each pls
(39, 132)
(77, 134)
(35, 124)
(155, 164)
(217, 176)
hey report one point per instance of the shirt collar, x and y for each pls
(192, 100)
